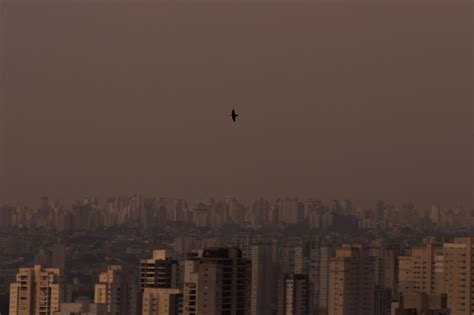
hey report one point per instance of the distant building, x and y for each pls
(262, 278)
(161, 301)
(421, 271)
(386, 265)
(223, 282)
(326, 253)
(290, 210)
(190, 294)
(161, 271)
(294, 297)
(116, 289)
(36, 291)
(352, 281)
(458, 275)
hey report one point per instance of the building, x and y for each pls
(421, 271)
(161, 271)
(313, 269)
(223, 282)
(294, 297)
(262, 278)
(190, 278)
(326, 253)
(290, 210)
(36, 290)
(190, 294)
(458, 275)
(386, 265)
(352, 281)
(435, 269)
(162, 301)
(117, 290)
(293, 257)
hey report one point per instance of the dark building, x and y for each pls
(160, 271)
(223, 282)
(294, 295)
(383, 301)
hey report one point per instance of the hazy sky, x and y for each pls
(336, 100)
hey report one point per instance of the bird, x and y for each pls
(233, 115)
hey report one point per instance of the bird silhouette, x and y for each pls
(233, 115)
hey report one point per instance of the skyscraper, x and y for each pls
(223, 282)
(352, 281)
(190, 278)
(36, 291)
(294, 297)
(116, 289)
(161, 271)
(326, 253)
(262, 278)
(190, 294)
(161, 301)
(459, 267)
(314, 270)
(386, 265)
(418, 271)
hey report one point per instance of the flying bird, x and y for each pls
(233, 115)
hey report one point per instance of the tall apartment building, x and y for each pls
(36, 291)
(458, 275)
(293, 257)
(117, 290)
(352, 281)
(190, 294)
(161, 271)
(162, 301)
(326, 253)
(386, 266)
(223, 282)
(290, 210)
(422, 270)
(190, 278)
(313, 269)
(262, 278)
(260, 212)
(294, 297)
(441, 269)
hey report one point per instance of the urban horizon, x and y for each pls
(159, 256)
(248, 200)
(244, 157)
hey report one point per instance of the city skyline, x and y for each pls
(247, 202)
(161, 256)
(244, 157)
(314, 276)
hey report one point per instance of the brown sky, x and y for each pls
(336, 99)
